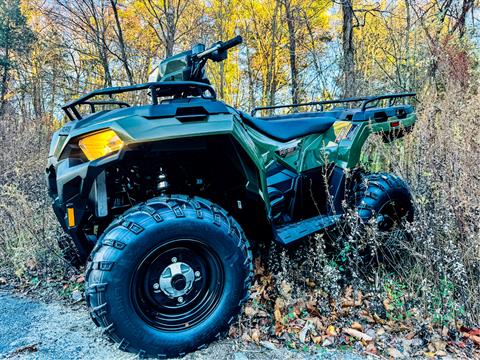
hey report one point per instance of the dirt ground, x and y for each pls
(35, 329)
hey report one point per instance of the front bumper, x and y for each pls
(81, 187)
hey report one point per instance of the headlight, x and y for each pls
(100, 144)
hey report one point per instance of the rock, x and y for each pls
(417, 342)
(240, 356)
(371, 333)
(327, 342)
(304, 332)
(268, 345)
(406, 345)
(3, 281)
(77, 295)
(394, 353)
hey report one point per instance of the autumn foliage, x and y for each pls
(319, 294)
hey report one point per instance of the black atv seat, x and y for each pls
(288, 128)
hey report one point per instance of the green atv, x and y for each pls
(160, 199)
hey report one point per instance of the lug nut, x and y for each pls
(180, 299)
(156, 286)
(197, 274)
(174, 259)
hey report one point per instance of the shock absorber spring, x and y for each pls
(162, 183)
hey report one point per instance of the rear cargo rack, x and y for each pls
(156, 89)
(364, 100)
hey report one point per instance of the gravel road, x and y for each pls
(33, 329)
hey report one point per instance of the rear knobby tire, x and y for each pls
(383, 202)
(383, 195)
(151, 324)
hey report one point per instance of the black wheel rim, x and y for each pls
(388, 217)
(173, 313)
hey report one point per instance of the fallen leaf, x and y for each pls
(331, 331)
(255, 335)
(386, 304)
(278, 329)
(312, 307)
(439, 345)
(378, 319)
(359, 299)
(249, 311)
(440, 353)
(475, 339)
(316, 322)
(444, 331)
(246, 337)
(371, 349)
(410, 335)
(357, 326)
(31, 264)
(358, 334)
(262, 313)
(278, 315)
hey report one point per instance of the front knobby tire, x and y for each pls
(189, 244)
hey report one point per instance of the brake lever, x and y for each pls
(208, 51)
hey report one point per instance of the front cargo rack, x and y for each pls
(320, 105)
(156, 89)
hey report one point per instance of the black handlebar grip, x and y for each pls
(231, 43)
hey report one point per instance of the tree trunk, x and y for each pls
(121, 42)
(251, 85)
(349, 83)
(271, 81)
(292, 47)
(408, 26)
(5, 76)
(467, 5)
(171, 30)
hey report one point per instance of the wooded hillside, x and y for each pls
(294, 50)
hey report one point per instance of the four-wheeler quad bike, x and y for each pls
(161, 199)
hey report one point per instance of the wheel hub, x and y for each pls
(176, 279)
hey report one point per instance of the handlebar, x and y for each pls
(237, 40)
(220, 46)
